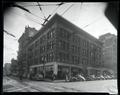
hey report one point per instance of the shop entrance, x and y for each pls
(62, 70)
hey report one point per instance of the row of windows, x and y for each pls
(75, 60)
(50, 57)
(44, 38)
(43, 48)
(62, 57)
(61, 32)
(62, 45)
(84, 51)
(84, 43)
(77, 50)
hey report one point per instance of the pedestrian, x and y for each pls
(20, 76)
(66, 76)
(53, 76)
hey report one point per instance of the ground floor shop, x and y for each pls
(57, 70)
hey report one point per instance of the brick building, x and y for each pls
(109, 51)
(60, 47)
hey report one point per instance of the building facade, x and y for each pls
(14, 67)
(109, 51)
(59, 48)
(7, 69)
(22, 53)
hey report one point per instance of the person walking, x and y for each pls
(67, 76)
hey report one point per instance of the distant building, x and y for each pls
(6, 69)
(22, 56)
(14, 67)
(59, 47)
(109, 51)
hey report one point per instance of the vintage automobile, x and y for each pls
(90, 78)
(36, 77)
(77, 78)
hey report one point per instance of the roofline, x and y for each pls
(53, 19)
(78, 29)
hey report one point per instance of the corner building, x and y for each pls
(60, 47)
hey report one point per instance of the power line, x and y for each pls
(42, 5)
(35, 21)
(41, 10)
(28, 11)
(29, 18)
(92, 22)
(9, 33)
(58, 5)
(67, 9)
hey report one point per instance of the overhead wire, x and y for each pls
(41, 10)
(9, 33)
(92, 22)
(41, 5)
(34, 21)
(67, 9)
(58, 5)
(26, 10)
(29, 18)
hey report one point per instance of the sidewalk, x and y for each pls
(45, 80)
(17, 79)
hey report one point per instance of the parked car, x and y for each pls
(90, 77)
(77, 78)
(102, 77)
(107, 77)
(37, 77)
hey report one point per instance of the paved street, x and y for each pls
(12, 85)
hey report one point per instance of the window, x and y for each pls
(62, 57)
(72, 59)
(42, 49)
(36, 43)
(67, 57)
(41, 40)
(51, 45)
(63, 33)
(83, 61)
(51, 56)
(51, 33)
(73, 48)
(75, 59)
(79, 50)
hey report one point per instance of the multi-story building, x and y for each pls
(22, 53)
(61, 47)
(7, 69)
(14, 67)
(109, 51)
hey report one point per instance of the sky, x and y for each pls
(88, 16)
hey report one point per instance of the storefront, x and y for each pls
(60, 70)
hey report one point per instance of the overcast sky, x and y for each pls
(88, 16)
